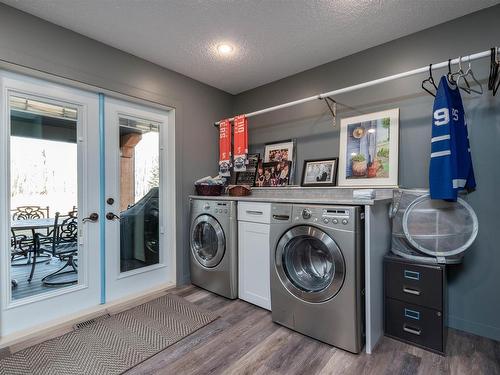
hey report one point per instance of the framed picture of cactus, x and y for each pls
(369, 150)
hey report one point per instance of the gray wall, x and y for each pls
(474, 298)
(34, 43)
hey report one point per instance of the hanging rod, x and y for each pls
(359, 86)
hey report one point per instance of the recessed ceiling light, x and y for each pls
(225, 49)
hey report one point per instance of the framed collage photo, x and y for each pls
(272, 174)
(320, 172)
(369, 149)
(281, 152)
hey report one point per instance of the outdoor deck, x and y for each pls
(21, 274)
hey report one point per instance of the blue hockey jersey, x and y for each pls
(451, 163)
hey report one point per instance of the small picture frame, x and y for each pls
(248, 177)
(320, 172)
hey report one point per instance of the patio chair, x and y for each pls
(20, 247)
(63, 244)
(26, 236)
(30, 212)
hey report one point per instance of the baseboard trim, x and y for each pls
(475, 328)
(26, 338)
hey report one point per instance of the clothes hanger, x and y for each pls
(497, 76)
(460, 74)
(449, 76)
(494, 71)
(429, 80)
(470, 73)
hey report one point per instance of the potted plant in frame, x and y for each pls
(358, 165)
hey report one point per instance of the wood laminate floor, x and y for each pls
(244, 340)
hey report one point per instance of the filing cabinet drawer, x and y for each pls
(415, 283)
(416, 324)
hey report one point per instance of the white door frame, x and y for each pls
(51, 85)
(120, 285)
(20, 315)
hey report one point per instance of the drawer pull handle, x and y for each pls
(281, 217)
(411, 291)
(251, 212)
(412, 275)
(413, 331)
(412, 314)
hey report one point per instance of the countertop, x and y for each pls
(294, 194)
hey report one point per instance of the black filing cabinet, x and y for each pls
(415, 303)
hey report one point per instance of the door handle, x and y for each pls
(112, 216)
(93, 217)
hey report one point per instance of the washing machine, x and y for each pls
(317, 263)
(213, 246)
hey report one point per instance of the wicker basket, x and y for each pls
(209, 190)
(239, 191)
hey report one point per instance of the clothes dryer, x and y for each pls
(317, 283)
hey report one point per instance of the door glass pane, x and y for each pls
(308, 263)
(139, 193)
(43, 195)
(205, 241)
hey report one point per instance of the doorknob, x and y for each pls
(112, 216)
(93, 217)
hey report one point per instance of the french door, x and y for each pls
(138, 244)
(83, 202)
(49, 150)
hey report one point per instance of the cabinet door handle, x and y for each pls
(411, 291)
(252, 212)
(413, 331)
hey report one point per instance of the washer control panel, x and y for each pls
(218, 208)
(334, 217)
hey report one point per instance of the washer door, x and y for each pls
(310, 264)
(208, 242)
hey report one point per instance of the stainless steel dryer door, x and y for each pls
(208, 242)
(310, 264)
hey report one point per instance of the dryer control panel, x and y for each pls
(331, 216)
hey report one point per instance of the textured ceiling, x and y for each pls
(272, 38)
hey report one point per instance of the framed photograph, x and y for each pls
(282, 151)
(369, 151)
(320, 172)
(248, 177)
(275, 173)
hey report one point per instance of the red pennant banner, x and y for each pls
(240, 142)
(224, 148)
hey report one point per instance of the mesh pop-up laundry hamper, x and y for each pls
(432, 231)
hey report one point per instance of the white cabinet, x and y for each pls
(254, 254)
